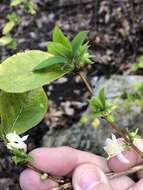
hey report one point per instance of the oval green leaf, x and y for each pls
(17, 76)
(22, 111)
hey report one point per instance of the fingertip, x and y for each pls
(30, 180)
(124, 180)
(88, 177)
(116, 165)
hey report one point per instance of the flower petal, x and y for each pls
(24, 138)
(13, 137)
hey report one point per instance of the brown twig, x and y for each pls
(127, 172)
(88, 86)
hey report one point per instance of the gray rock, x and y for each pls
(92, 139)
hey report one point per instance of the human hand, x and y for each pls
(87, 170)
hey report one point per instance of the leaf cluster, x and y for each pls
(101, 107)
(20, 157)
(23, 102)
(72, 54)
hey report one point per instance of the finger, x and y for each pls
(30, 180)
(62, 161)
(90, 177)
(137, 186)
(121, 183)
(116, 165)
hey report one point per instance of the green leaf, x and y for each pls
(139, 64)
(22, 111)
(96, 104)
(20, 157)
(16, 72)
(59, 37)
(15, 3)
(58, 49)
(8, 27)
(78, 41)
(50, 62)
(102, 97)
(5, 40)
(31, 6)
(13, 44)
(14, 17)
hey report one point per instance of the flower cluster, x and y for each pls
(16, 142)
(115, 147)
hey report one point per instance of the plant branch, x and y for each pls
(127, 172)
(84, 79)
(124, 135)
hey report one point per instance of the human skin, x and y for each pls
(87, 170)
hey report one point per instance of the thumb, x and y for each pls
(89, 177)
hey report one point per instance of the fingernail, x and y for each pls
(91, 180)
(138, 143)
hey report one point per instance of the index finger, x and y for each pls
(63, 160)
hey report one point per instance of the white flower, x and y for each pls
(15, 141)
(115, 147)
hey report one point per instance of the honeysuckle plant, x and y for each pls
(23, 102)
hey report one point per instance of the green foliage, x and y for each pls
(15, 3)
(75, 52)
(50, 62)
(13, 17)
(8, 27)
(5, 40)
(17, 76)
(13, 20)
(60, 38)
(29, 5)
(101, 107)
(133, 134)
(20, 157)
(139, 64)
(136, 96)
(77, 42)
(22, 111)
